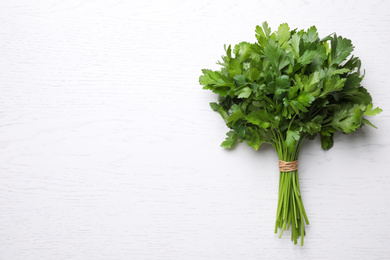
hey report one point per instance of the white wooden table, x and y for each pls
(108, 149)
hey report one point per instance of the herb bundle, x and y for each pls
(288, 86)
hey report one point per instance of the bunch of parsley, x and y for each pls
(288, 86)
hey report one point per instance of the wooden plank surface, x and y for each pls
(108, 149)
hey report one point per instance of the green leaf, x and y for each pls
(255, 139)
(317, 63)
(307, 57)
(353, 81)
(368, 122)
(295, 40)
(348, 119)
(312, 128)
(209, 77)
(214, 78)
(311, 35)
(241, 129)
(235, 108)
(300, 103)
(223, 91)
(273, 53)
(259, 118)
(240, 80)
(327, 38)
(223, 114)
(228, 51)
(358, 95)
(336, 84)
(292, 137)
(256, 52)
(310, 83)
(276, 55)
(214, 106)
(283, 33)
(215, 81)
(260, 35)
(242, 51)
(255, 73)
(341, 49)
(293, 92)
(234, 67)
(282, 83)
(372, 112)
(267, 29)
(244, 92)
(235, 116)
(339, 71)
(284, 60)
(327, 141)
(230, 141)
(305, 98)
(266, 135)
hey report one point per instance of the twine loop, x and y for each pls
(288, 166)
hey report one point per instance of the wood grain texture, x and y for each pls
(108, 149)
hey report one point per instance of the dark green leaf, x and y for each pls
(240, 80)
(341, 49)
(327, 141)
(214, 106)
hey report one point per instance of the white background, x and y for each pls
(109, 150)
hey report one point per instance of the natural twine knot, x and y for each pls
(288, 166)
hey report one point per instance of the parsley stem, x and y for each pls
(290, 210)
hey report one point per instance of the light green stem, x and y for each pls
(290, 210)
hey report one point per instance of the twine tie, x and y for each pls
(288, 166)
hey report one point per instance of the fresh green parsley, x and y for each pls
(288, 86)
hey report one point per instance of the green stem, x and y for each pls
(290, 210)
